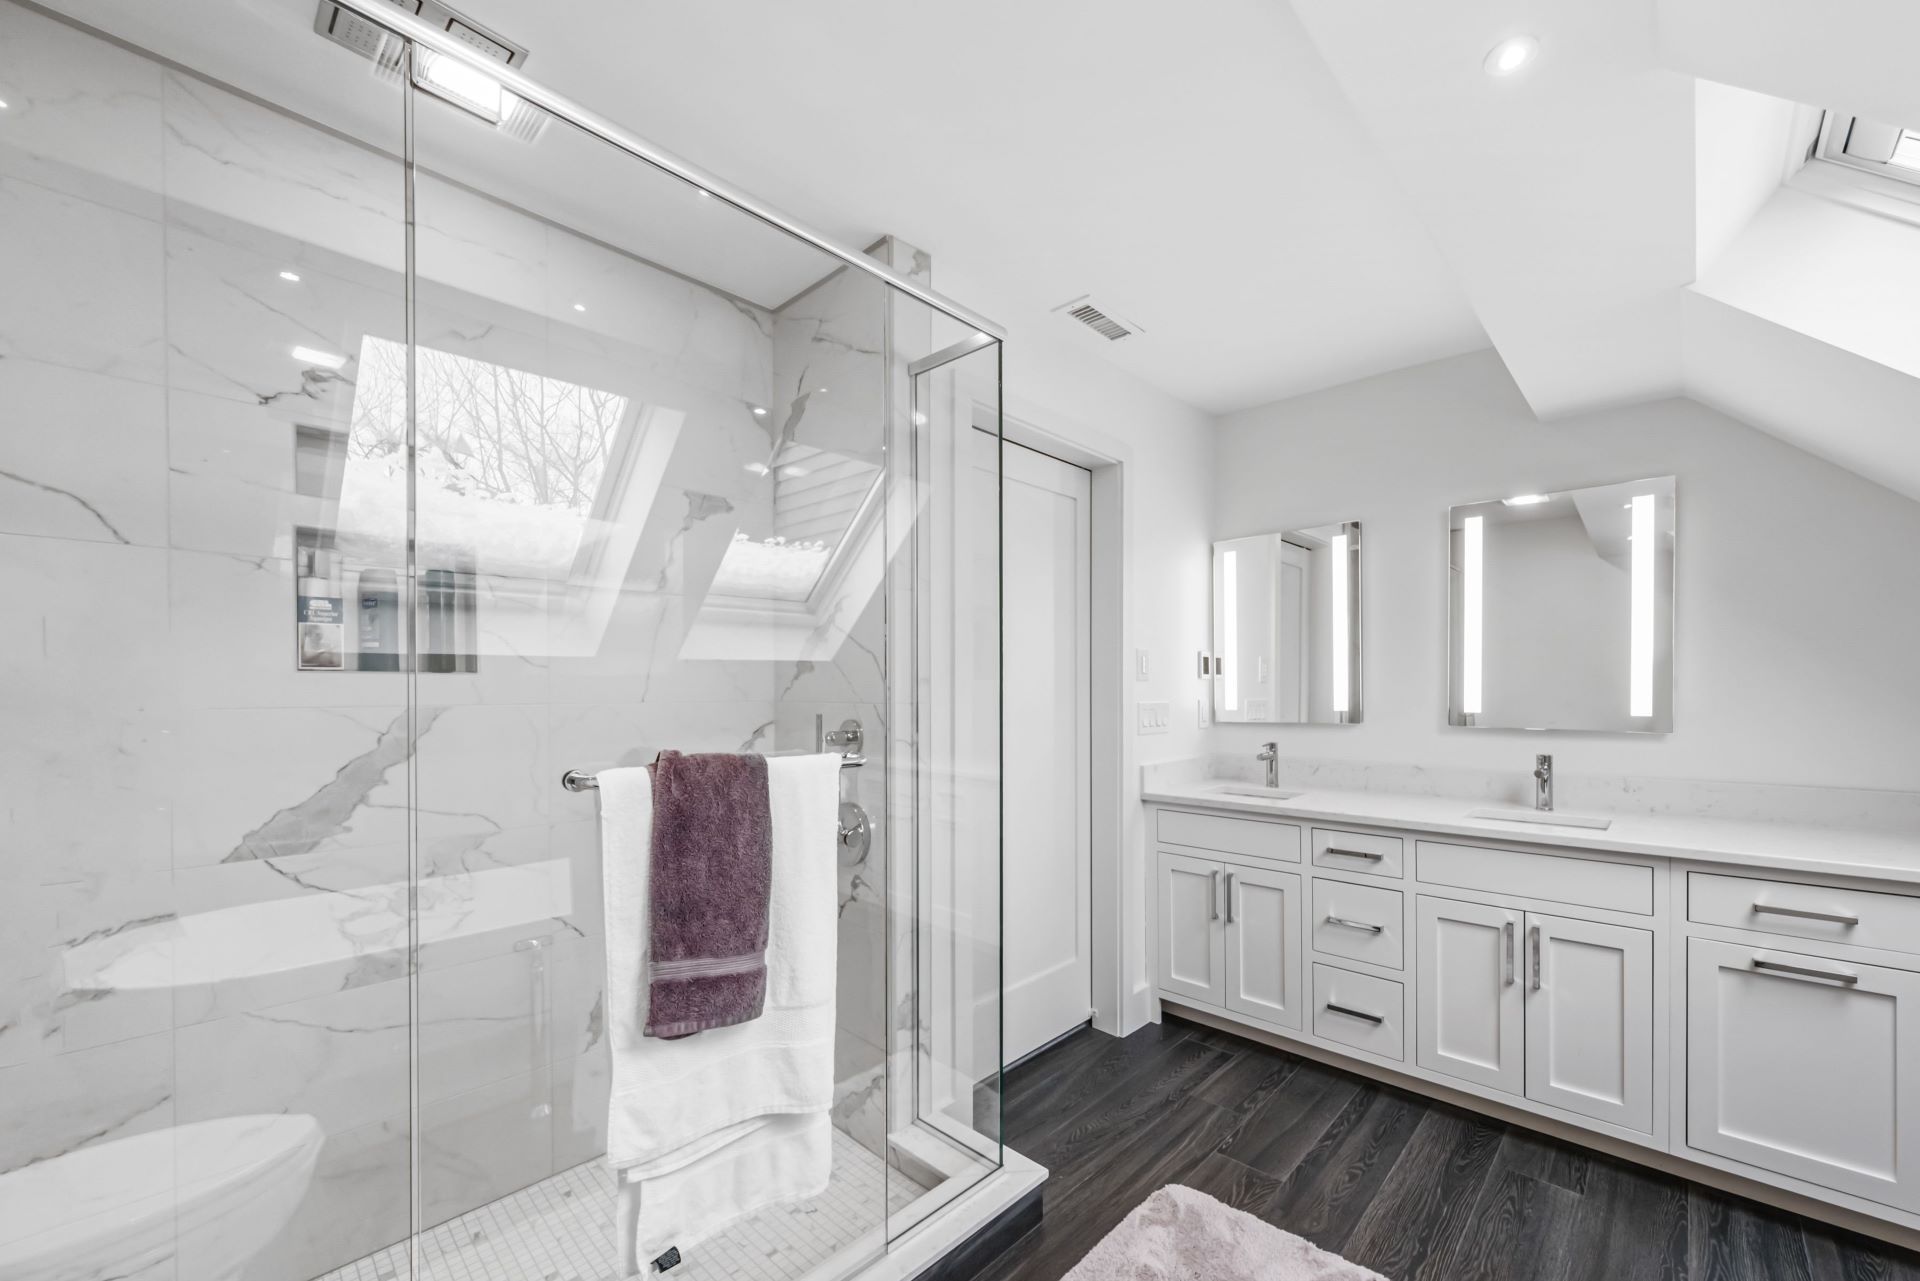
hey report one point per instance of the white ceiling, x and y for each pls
(1285, 196)
(1202, 177)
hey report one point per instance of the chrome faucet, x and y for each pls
(1543, 782)
(1270, 753)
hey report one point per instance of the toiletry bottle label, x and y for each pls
(322, 633)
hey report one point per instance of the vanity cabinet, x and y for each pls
(1554, 1008)
(1803, 1065)
(1759, 1022)
(1230, 936)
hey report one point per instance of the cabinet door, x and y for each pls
(1590, 1019)
(1192, 943)
(1804, 1066)
(1263, 944)
(1468, 1008)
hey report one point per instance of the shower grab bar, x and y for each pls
(579, 780)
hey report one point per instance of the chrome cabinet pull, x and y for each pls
(1214, 915)
(1805, 971)
(1366, 854)
(1368, 926)
(1352, 1013)
(1229, 898)
(1539, 966)
(1506, 968)
(1807, 914)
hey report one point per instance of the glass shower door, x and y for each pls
(650, 515)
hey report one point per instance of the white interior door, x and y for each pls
(1046, 607)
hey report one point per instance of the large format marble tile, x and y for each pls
(478, 1146)
(483, 1021)
(277, 781)
(643, 655)
(84, 629)
(54, 1105)
(82, 455)
(341, 1058)
(82, 115)
(358, 1202)
(87, 794)
(255, 165)
(234, 324)
(591, 737)
(84, 284)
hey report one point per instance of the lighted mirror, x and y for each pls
(1286, 627)
(1561, 610)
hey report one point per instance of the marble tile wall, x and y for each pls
(204, 853)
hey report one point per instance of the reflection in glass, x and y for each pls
(1286, 627)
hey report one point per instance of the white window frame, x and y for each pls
(1835, 131)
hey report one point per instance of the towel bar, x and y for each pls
(575, 780)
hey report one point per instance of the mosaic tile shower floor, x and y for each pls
(561, 1229)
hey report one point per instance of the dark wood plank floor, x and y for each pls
(1417, 1190)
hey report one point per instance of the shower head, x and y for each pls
(468, 87)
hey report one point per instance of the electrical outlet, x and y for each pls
(1155, 717)
(1142, 665)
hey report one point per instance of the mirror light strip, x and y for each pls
(1640, 637)
(1470, 619)
(1230, 624)
(1339, 612)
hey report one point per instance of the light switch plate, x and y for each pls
(1203, 708)
(1155, 717)
(1142, 664)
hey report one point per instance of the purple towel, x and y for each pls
(710, 887)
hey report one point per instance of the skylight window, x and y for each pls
(1868, 145)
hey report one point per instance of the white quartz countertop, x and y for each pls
(1752, 844)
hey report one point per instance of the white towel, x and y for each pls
(705, 1123)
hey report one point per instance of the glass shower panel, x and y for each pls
(204, 793)
(947, 871)
(650, 515)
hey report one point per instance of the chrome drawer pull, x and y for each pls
(1213, 905)
(1229, 898)
(1356, 1014)
(1368, 926)
(1506, 965)
(1838, 918)
(1805, 971)
(1366, 854)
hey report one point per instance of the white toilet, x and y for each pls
(193, 1202)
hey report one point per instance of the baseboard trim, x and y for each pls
(1780, 1198)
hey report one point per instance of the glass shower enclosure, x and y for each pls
(381, 438)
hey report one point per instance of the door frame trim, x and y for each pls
(1122, 987)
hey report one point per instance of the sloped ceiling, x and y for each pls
(1616, 212)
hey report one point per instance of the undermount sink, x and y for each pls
(1544, 818)
(1256, 789)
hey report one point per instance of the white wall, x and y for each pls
(1797, 595)
(1062, 387)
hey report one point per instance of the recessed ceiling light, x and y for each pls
(793, 471)
(579, 306)
(757, 468)
(759, 411)
(1524, 500)
(1511, 54)
(324, 359)
(3, 104)
(291, 276)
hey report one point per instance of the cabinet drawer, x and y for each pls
(1229, 835)
(1358, 852)
(1620, 887)
(1860, 917)
(1359, 922)
(1360, 1010)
